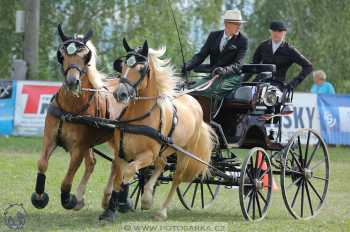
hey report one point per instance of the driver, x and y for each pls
(226, 49)
(282, 54)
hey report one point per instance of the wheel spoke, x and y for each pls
(314, 189)
(316, 165)
(258, 204)
(300, 151)
(302, 200)
(262, 197)
(290, 170)
(134, 190)
(320, 178)
(252, 169)
(313, 153)
(295, 196)
(254, 205)
(249, 203)
(295, 159)
(262, 176)
(137, 197)
(309, 198)
(188, 187)
(202, 196)
(307, 147)
(293, 183)
(248, 194)
(211, 192)
(194, 195)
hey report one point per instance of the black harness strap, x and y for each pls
(121, 145)
(173, 125)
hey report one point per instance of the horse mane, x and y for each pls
(95, 77)
(163, 72)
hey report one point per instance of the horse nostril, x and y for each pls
(71, 80)
(120, 95)
(123, 96)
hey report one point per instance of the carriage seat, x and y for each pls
(241, 97)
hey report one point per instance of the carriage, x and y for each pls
(251, 118)
(248, 118)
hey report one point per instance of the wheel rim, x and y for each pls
(197, 194)
(254, 193)
(305, 174)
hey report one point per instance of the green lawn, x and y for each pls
(18, 158)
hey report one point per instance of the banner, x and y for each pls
(305, 115)
(335, 118)
(32, 100)
(7, 106)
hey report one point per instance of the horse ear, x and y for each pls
(144, 51)
(59, 56)
(88, 36)
(118, 65)
(126, 45)
(61, 34)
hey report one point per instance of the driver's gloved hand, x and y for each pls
(218, 71)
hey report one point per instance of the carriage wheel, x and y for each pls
(305, 174)
(197, 194)
(255, 185)
(137, 186)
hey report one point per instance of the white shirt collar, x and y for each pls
(275, 46)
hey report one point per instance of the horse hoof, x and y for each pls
(159, 216)
(71, 203)
(125, 207)
(80, 205)
(108, 215)
(38, 201)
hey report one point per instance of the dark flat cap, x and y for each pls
(278, 26)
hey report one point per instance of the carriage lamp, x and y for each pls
(71, 49)
(272, 96)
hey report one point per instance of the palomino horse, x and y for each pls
(147, 87)
(77, 56)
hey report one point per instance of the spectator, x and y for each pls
(320, 84)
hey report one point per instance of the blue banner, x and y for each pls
(334, 118)
(7, 106)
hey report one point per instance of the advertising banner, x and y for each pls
(32, 100)
(7, 106)
(335, 118)
(305, 115)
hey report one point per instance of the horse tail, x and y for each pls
(202, 148)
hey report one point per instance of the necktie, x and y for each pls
(226, 39)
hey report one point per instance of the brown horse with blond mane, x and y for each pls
(147, 88)
(77, 55)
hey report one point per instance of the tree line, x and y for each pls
(318, 28)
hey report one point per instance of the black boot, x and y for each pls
(109, 214)
(124, 203)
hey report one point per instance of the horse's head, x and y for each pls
(134, 71)
(74, 55)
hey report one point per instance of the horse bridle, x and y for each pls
(132, 59)
(70, 47)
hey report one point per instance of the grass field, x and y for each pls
(18, 158)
